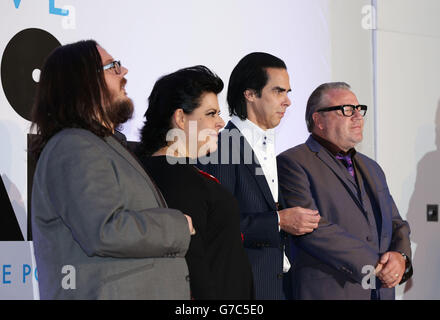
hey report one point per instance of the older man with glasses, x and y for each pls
(361, 248)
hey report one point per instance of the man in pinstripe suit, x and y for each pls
(245, 163)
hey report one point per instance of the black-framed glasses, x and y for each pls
(347, 109)
(115, 65)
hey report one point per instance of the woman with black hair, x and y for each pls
(182, 124)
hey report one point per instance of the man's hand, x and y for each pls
(192, 231)
(390, 268)
(298, 221)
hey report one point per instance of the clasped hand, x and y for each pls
(390, 269)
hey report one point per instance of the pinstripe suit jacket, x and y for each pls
(236, 167)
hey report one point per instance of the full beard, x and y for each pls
(120, 111)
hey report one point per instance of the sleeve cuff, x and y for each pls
(279, 227)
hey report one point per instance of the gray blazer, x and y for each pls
(95, 209)
(330, 260)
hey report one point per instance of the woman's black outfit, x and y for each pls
(218, 265)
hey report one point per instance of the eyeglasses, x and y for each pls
(115, 65)
(347, 109)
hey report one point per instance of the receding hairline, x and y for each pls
(327, 92)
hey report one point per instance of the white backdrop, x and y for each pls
(152, 38)
(408, 139)
(320, 41)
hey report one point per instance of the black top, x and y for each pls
(218, 265)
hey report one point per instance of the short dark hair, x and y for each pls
(182, 89)
(317, 101)
(70, 93)
(249, 73)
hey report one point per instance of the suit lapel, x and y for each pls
(341, 173)
(257, 172)
(366, 174)
(113, 143)
(369, 181)
(373, 188)
(254, 167)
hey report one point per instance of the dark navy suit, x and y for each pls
(238, 170)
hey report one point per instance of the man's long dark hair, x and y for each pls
(71, 93)
(249, 73)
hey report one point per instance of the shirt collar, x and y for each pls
(120, 137)
(331, 147)
(253, 133)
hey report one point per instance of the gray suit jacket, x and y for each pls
(330, 260)
(94, 208)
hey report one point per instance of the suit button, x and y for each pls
(187, 278)
(279, 275)
(346, 270)
(369, 238)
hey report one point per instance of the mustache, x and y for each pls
(123, 82)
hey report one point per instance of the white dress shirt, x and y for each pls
(262, 143)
